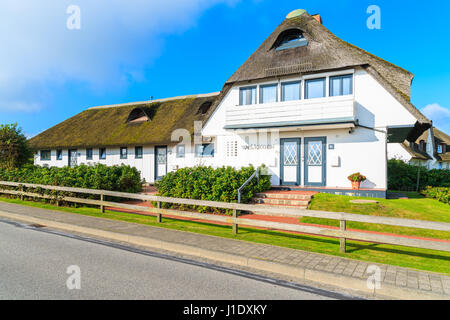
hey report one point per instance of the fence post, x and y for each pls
(21, 192)
(102, 207)
(342, 241)
(158, 215)
(235, 225)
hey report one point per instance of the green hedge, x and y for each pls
(441, 194)
(402, 176)
(114, 178)
(207, 183)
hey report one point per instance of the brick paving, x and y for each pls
(392, 275)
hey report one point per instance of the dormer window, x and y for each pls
(290, 39)
(440, 148)
(204, 108)
(138, 115)
(422, 145)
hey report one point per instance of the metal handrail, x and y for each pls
(256, 173)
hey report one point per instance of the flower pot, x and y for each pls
(356, 184)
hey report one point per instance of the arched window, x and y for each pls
(291, 38)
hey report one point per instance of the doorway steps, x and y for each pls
(284, 198)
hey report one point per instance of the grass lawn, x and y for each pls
(416, 207)
(430, 260)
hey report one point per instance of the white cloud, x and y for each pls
(116, 41)
(439, 115)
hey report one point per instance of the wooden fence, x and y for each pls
(19, 189)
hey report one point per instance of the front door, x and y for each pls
(315, 161)
(290, 161)
(160, 162)
(73, 155)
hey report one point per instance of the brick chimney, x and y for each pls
(318, 18)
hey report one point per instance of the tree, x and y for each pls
(14, 149)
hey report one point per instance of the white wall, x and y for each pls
(363, 150)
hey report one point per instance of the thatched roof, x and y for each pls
(415, 152)
(324, 52)
(107, 126)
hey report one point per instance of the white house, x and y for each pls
(311, 107)
(430, 150)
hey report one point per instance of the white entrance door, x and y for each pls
(315, 161)
(290, 161)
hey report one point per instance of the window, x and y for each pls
(139, 115)
(123, 153)
(102, 153)
(268, 93)
(45, 155)
(315, 88)
(247, 96)
(180, 151)
(204, 150)
(89, 154)
(341, 85)
(58, 154)
(290, 91)
(291, 39)
(440, 148)
(138, 152)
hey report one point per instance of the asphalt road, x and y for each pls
(34, 264)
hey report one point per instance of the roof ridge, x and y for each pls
(202, 95)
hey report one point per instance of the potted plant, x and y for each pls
(356, 179)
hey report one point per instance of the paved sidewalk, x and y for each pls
(396, 282)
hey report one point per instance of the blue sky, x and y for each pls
(130, 50)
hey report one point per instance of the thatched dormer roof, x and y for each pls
(109, 126)
(324, 52)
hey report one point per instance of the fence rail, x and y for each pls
(342, 233)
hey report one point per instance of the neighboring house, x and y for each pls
(310, 106)
(430, 150)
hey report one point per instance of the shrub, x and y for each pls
(207, 183)
(114, 178)
(441, 194)
(402, 176)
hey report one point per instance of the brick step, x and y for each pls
(290, 196)
(277, 201)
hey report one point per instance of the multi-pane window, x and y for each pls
(315, 88)
(138, 152)
(123, 152)
(440, 148)
(180, 151)
(89, 154)
(341, 85)
(45, 155)
(290, 91)
(102, 153)
(58, 154)
(204, 150)
(247, 95)
(268, 93)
